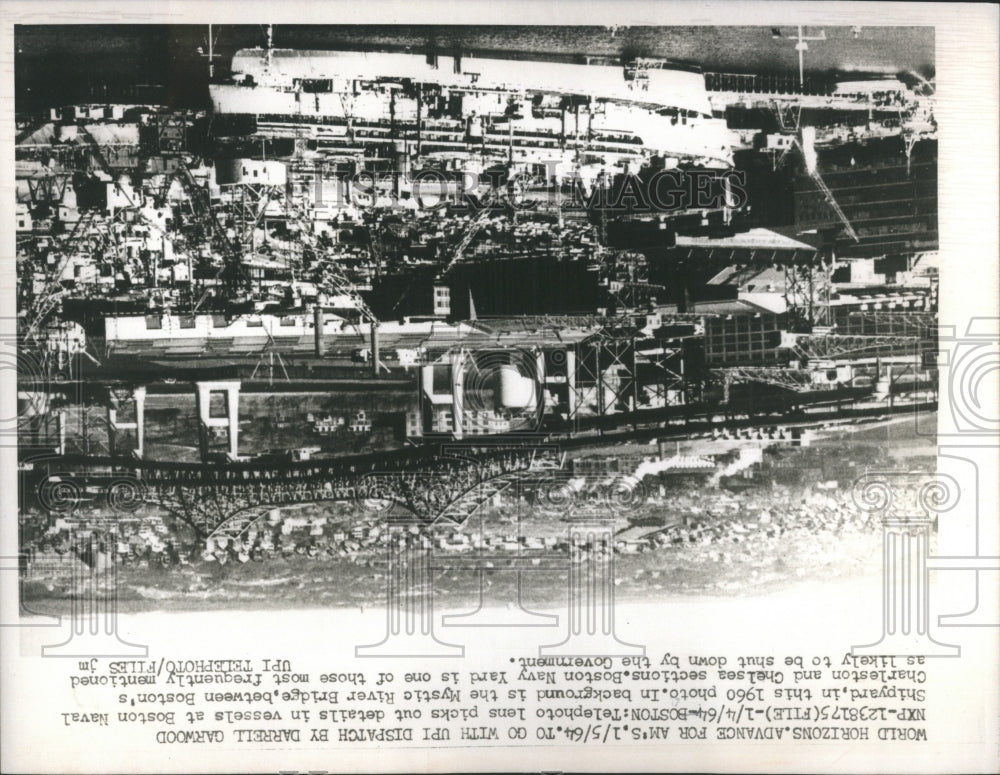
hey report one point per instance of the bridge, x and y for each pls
(431, 485)
(450, 482)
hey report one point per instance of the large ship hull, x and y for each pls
(528, 110)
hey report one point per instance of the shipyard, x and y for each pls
(361, 304)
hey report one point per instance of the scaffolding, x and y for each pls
(879, 323)
(796, 380)
(250, 202)
(667, 361)
(808, 291)
(48, 188)
(618, 370)
(233, 273)
(833, 347)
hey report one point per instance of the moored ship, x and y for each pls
(460, 107)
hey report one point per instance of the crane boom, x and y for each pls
(470, 233)
(233, 271)
(827, 193)
(331, 277)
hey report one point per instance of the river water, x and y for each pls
(58, 64)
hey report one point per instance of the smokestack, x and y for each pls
(318, 331)
(375, 349)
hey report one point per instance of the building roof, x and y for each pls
(111, 134)
(101, 134)
(724, 307)
(43, 135)
(751, 278)
(754, 238)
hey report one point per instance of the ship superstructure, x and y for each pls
(514, 111)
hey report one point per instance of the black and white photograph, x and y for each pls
(523, 358)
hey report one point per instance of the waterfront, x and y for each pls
(253, 339)
(127, 56)
(754, 521)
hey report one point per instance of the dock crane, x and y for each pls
(40, 306)
(809, 157)
(801, 138)
(325, 272)
(44, 302)
(330, 278)
(457, 253)
(233, 272)
(473, 228)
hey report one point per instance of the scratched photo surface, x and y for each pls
(309, 313)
